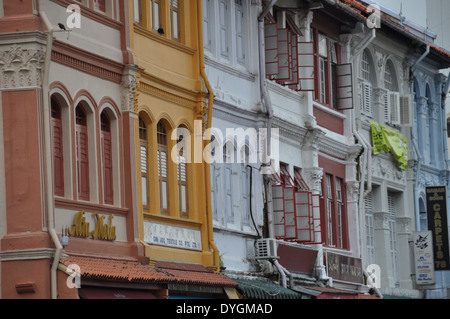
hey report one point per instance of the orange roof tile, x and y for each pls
(134, 271)
(115, 269)
(194, 274)
(363, 9)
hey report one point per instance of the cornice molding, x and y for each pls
(27, 254)
(229, 69)
(87, 62)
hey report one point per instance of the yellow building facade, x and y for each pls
(172, 108)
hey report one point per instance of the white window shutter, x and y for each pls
(387, 108)
(284, 53)
(406, 117)
(344, 86)
(367, 98)
(239, 31)
(394, 101)
(271, 48)
(306, 66)
(206, 24)
(223, 22)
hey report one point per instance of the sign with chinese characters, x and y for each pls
(423, 257)
(344, 268)
(172, 236)
(437, 223)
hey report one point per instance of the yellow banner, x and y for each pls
(389, 141)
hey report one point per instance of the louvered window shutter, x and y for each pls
(394, 103)
(58, 157)
(387, 109)
(406, 116)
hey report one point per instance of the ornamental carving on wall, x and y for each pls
(21, 67)
(313, 177)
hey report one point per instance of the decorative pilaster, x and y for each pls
(352, 191)
(129, 88)
(21, 66)
(313, 177)
(381, 220)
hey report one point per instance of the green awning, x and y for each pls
(264, 289)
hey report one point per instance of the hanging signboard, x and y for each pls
(344, 268)
(437, 223)
(423, 258)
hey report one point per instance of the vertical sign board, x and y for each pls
(437, 223)
(423, 257)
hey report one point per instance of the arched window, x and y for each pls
(107, 160)
(388, 77)
(82, 147)
(163, 173)
(366, 74)
(143, 144)
(182, 174)
(392, 97)
(58, 156)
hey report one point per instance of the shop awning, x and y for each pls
(332, 293)
(111, 293)
(194, 274)
(264, 289)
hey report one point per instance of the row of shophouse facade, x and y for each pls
(217, 148)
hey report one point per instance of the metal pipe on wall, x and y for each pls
(48, 175)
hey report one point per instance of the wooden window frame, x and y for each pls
(175, 20)
(336, 228)
(81, 128)
(153, 22)
(182, 183)
(107, 158)
(163, 148)
(138, 8)
(57, 147)
(143, 143)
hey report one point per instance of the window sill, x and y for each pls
(163, 40)
(246, 231)
(92, 207)
(329, 110)
(175, 221)
(227, 67)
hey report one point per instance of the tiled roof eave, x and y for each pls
(391, 23)
(94, 268)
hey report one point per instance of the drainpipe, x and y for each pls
(268, 104)
(262, 73)
(364, 44)
(208, 134)
(444, 119)
(416, 181)
(366, 159)
(421, 58)
(281, 271)
(48, 157)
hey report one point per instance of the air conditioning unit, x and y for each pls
(266, 249)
